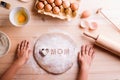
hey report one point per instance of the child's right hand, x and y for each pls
(86, 56)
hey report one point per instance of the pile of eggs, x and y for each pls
(58, 6)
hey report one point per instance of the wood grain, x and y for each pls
(106, 66)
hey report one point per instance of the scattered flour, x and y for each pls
(55, 63)
(4, 44)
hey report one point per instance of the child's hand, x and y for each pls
(23, 53)
(85, 57)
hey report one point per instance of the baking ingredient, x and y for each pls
(56, 10)
(106, 43)
(40, 5)
(59, 58)
(66, 4)
(50, 1)
(21, 17)
(74, 6)
(85, 14)
(48, 7)
(58, 2)
(4, 44)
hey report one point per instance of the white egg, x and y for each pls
(66, 4)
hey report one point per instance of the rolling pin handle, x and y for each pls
(90, 35)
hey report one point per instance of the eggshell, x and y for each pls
(93, 26)
(84, 24)
(40, 5)
(50, 1)
(56, 10)
(85, 14)
(58, 2)
(74, 6)
(66, 4)
(48, 7)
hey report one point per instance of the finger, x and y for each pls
(18, 48)
(24, 45)
(21, 45)
(90, 51)
(87, 48)
(27, 45)
(79, 55)
(93, 55)
(82, 50)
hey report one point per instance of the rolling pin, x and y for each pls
(106, 43)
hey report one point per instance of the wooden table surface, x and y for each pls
(105, 65)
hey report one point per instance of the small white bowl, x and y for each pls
(12, 16)
(8, 46)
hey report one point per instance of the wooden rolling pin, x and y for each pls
(105, 43)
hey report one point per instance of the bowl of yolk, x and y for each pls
(19, 16)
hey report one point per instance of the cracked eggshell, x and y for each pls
(84, 24)
(93, 25)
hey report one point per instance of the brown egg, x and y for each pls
(66, 4)
(40, 5)
(85, 14)
(74, 6)
(48, 7)
(58, 2)
(50, 1)
(56, 10)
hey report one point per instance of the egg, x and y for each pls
(66, 4)
(56, 10)
(50, 1)
(85, 14)
(48, 7)
(74, 6)
(40, 5)
(58, 2)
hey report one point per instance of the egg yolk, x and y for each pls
(21, 18)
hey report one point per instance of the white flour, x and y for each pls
(55, 63)
(4, 44)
